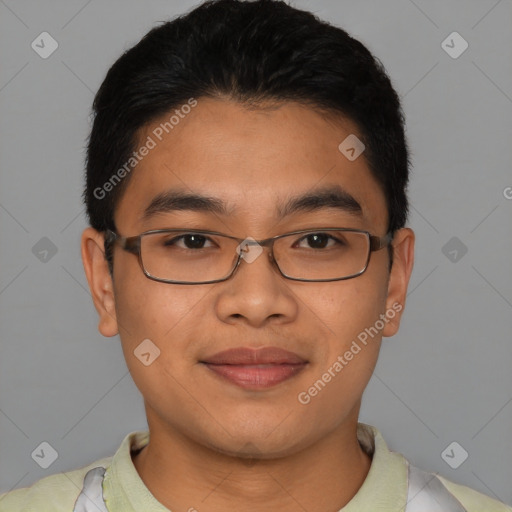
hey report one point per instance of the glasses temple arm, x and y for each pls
(377, 243)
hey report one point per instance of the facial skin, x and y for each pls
(202, 427)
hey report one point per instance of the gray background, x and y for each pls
(445, 377)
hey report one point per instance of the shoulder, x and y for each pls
(472, 500)
(412, 488)
(429, 492)
(54, 493)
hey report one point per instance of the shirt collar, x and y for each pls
(384, 489)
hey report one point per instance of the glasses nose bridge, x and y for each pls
(267, 243)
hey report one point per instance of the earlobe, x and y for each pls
(100, 280)
(403, 261)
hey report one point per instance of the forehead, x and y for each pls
(252, 161)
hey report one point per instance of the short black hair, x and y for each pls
(252, 52)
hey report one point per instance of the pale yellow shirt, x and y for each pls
(113, 485)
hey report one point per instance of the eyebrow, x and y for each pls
(331, 196)
(326, 197)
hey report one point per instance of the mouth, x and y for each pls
(255, 369)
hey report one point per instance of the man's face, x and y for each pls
(255, 162)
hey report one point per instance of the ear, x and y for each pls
(100, 281)
(403, 261)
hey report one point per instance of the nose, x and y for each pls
(257, 292)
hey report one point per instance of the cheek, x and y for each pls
(149, 308)
(159, 312)
(156, 318)
(348, 307)
(351, 312)
(346, 357)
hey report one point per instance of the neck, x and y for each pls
(185, 475)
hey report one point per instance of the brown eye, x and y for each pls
(188, 241)
(318, 240)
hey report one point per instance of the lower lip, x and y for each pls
(256, 376)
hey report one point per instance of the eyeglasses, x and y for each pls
(182, 256)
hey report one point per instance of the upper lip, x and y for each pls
(251, 356)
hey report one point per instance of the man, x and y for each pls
(246, 190)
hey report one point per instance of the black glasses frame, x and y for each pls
(132, 244)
